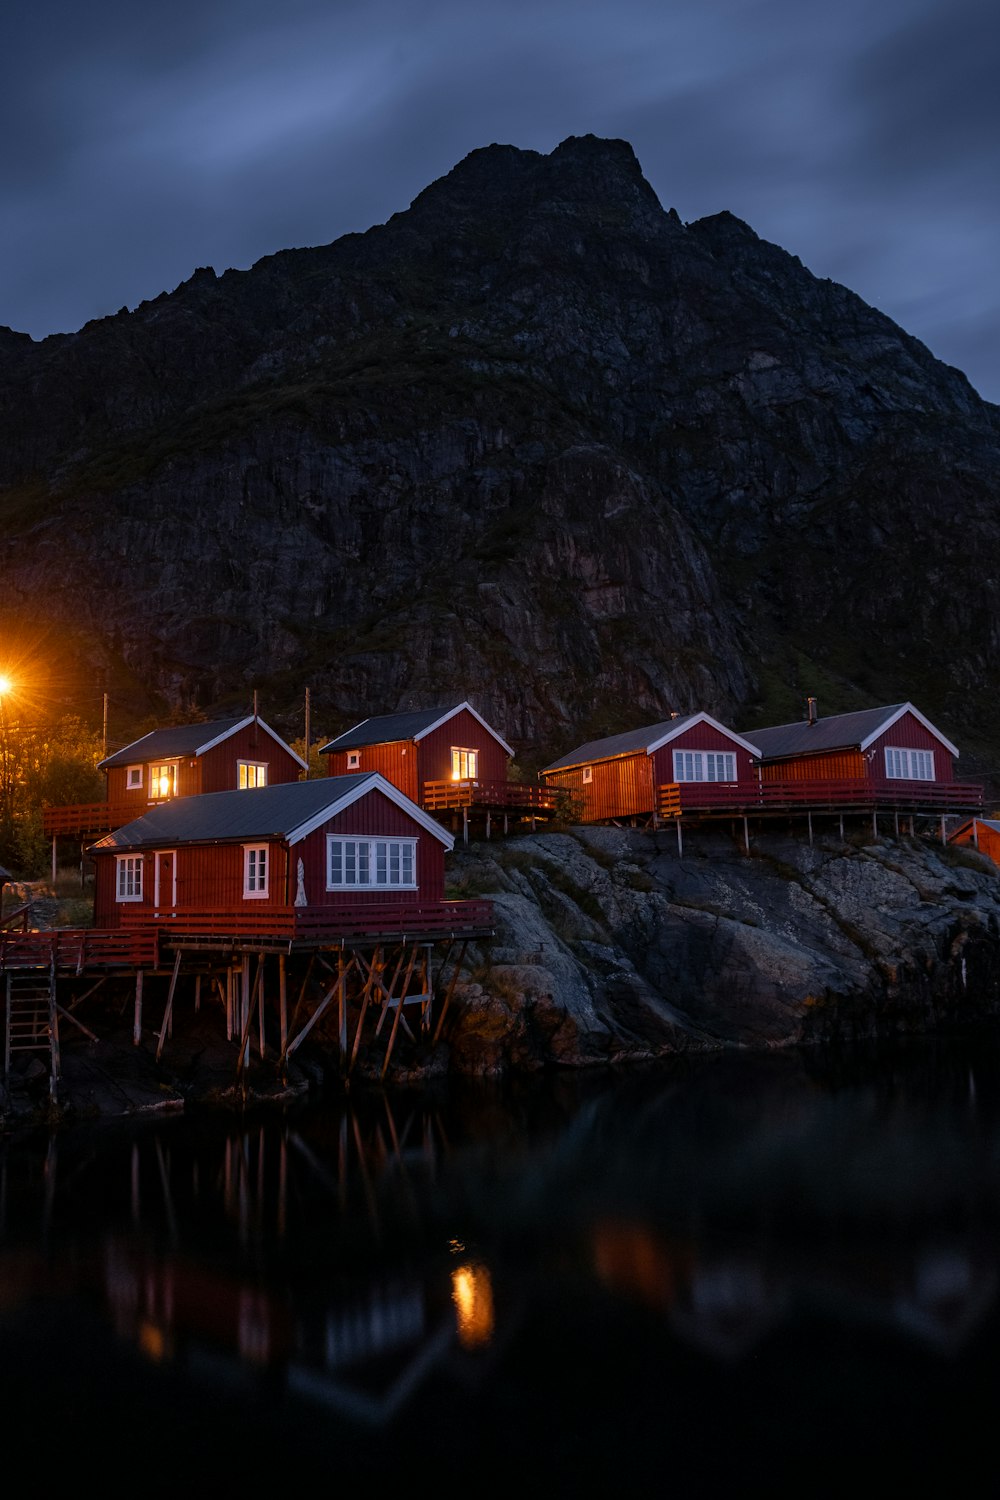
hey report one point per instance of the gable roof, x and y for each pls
(853, 731)
(188, 740)
(991, 823)
(388, 728)
(648, 739)
(289, 812)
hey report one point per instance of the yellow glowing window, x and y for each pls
(163, 780)
(464, 764)
(251, 773)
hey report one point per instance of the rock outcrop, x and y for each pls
(613, 947)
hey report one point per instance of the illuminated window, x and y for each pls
(133, 777)
(163, 780)
(255, 869)
(464, 764)
(129, 877)
(704, 765)
(909, 765)
(367, 863)
(588, 773)
(353, 759)
(251, 773)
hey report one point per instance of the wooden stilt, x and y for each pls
(341, 1008)
(168, 1009)
(197, 993)
(450, 991)
(875, 823)
(809, 821)
(487, 824)
(137, 1010)
(465, 825)
(244, 1016)
(943, 837)
(282, 1002)
(399, 1012)
(746, 833)
(55, 867)
(895, 821)
(365, 1001)
(680, 838)
(841, 827)
(260, 1006)
(386, 993)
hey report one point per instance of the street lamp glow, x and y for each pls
(6, 686)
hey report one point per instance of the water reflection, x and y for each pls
(798, 1252)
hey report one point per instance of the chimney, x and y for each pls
(810, 710)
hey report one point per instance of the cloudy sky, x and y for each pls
(140, 141)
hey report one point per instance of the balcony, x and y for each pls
(527, 799)
(90, 819)
(317, 925)
(841, 794)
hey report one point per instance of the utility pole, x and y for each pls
(306, 756)
(104, 750)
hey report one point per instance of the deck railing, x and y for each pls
(79, 948)
(503, 796)
(90, 817)
(816, 795)
(414, 919)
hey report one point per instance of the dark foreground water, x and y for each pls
(775, 1273)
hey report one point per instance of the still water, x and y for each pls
(778, 1272)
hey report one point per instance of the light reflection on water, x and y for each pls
(719, 1266)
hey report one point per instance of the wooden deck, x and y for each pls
(527, 799)
(800, 796)
(84, 819)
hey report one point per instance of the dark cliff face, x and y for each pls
(533, 442)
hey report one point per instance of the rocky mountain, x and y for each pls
(534, 442)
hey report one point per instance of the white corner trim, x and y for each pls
(373, 782)
(907, 708)
(478, 717)
(221, 738)
(701, 718)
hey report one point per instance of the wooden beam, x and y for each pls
(450, 991)
(168, 1008)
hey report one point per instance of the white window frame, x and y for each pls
(464, 764)
(256, 871)
(128, 877)
(355, 864)
(705, 765)
(171, 766)
(244, 782)
(902, 764)
(353, 760)
(588, 773)
(133, 778)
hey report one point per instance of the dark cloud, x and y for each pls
(143, 141)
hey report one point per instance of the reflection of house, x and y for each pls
(679, 765)
(182, 761)
(293, 857)
(444, 759)
(980, 833)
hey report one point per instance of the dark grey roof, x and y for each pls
(5, 875)
(183, 739)
(219, 817)
(837, 732)
(387, 728)
(619, 744)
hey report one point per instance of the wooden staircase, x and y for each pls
(32, 1018)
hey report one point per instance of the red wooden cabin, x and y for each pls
(681, 765)
(299, 859)
(444, 759)
(183, 761)
(891, 756)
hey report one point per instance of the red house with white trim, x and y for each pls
(444, 759)
(892, 755)
(302, 857)
(185, 760)
(683, 764)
